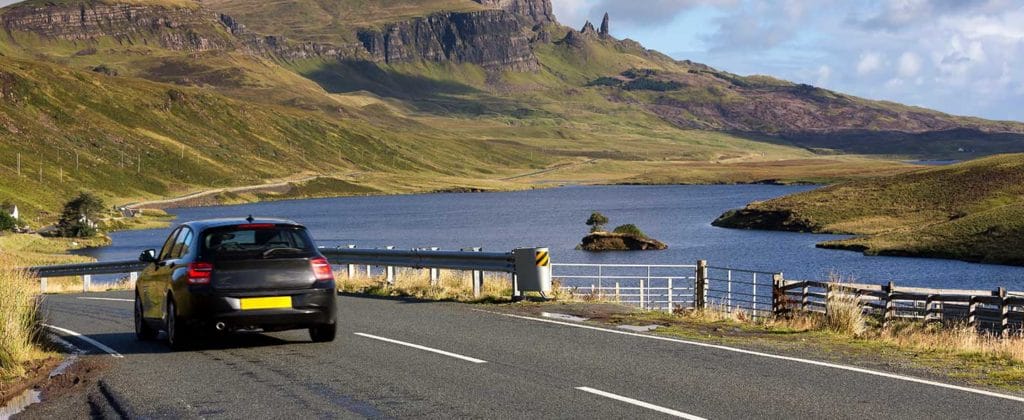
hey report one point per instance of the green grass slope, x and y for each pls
(971, 211)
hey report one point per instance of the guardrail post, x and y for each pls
(700, 291)
(1004, 311)
(618, 296)
(351, 268)
(42, 285)
(890, 305)
(390, 270)
(86, 283)
(435, 273)
(478, 278)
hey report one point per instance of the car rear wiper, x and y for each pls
(271, 251)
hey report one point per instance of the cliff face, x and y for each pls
(182, 29)
(491, 38)
(537, 11)
(494, 39)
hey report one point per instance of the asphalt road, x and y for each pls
(442, 360)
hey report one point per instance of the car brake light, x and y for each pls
(255, 226)
(322, 269)
(199, 273)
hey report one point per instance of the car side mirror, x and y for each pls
(148, 256)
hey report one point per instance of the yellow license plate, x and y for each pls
(249, 304)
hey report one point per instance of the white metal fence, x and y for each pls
(669, 287)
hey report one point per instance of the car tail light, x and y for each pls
(199, 273)
(322, 269)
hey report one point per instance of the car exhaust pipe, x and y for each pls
(220, 326)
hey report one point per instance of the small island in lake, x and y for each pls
(623, 238)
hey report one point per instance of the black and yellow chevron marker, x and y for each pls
(543, 259)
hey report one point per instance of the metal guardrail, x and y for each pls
(524, 264)
(87, 269)
(451, 260)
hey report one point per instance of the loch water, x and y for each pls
(681, 216)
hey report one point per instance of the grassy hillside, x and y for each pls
(972, 211)
(137, 112)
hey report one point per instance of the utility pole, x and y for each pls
(19, 164)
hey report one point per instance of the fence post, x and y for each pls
(778, 295)
(804, 299)
(435, 273)
(1004, 312)
(642, 294)
(828, 296)
(728, 291)
(700, 292)
(351, 267)
(890, 305)
(86, 283)
(42, 285)
(928, 302)
(972, 311)
(670, 295)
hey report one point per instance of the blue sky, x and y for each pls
(964, 57)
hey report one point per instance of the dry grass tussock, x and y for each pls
(19, 319)
(453, 285)
(958, 338)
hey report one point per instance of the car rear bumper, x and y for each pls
(204, 309)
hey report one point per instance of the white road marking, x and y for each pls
(95, 343)
(639, 403)
(110, 299)
(417, 346)
(773, 356)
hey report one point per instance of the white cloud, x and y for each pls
(824, 74)
(869, 62)
(909, 64)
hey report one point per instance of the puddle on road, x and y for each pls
(20, 403)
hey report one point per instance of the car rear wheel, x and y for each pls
(177, 334)
(143, 331)
(323, 333)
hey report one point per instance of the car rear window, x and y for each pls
(256, 242)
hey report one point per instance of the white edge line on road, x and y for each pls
(639, 403)
(417, 346)
(95, 343)
(111, 299)
(773, 356)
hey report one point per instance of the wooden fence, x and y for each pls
(998, 311)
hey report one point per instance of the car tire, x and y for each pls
(323, 333)
(143, 331)
(177, 334)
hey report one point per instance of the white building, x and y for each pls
(13, 211)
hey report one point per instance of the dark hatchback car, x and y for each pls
(235, 275)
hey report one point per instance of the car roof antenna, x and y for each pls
(249, 219)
